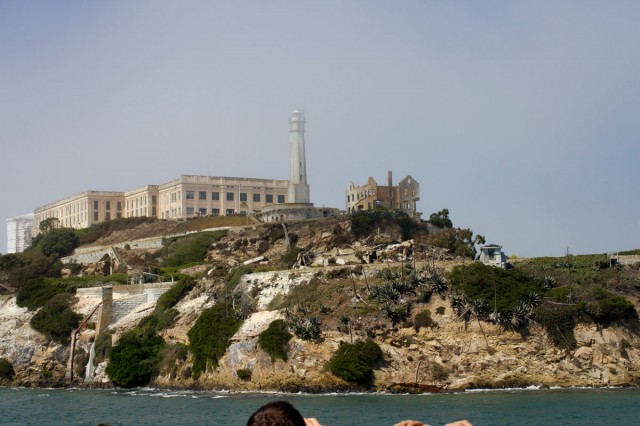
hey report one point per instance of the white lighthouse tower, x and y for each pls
(298, 187)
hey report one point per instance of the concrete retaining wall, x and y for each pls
(631, 259)
(86, 255)
(126, 298)
(122, 307)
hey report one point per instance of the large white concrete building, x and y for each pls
(19, 230)
(191, 196)
(82, 210)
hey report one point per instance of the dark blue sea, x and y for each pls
(160, 407)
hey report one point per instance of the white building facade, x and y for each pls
(192, 196)
(492, 255)
(19, 231)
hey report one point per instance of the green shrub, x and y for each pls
(59, 242)
(190, 249)
(364, 222)
(209, 336)
(422, 319)
(11, 260)
(37, 291)
(135, 358)
(459, 241)
(172, 296)
(56, 320)
(6, 369)
(603, 305)
(33, 264)
(275, 340)
(244, 374)
(438, 372)
(500, 289)
(235, 276)
(120, 278)
(290, 257)
(355, 362)
(441, 219)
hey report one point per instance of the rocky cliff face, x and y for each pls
(452, 355)
(36, 361)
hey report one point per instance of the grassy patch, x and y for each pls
(190, 249)
(104, 229)
(103, 346)
(171, 356)
(172, 296)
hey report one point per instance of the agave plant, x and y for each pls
(397, 315)
(438, 284)
(521, 314)
(459, 303)
(388, 292)
(388, 274)
(478, 307)
(308, 329)
(403, 287)
(416, 279)
(548, 283)
(324, 309)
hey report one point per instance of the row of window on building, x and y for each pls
(361, 195)
(230, 196)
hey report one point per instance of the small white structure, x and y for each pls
(492, 255)
(298, 186)
(19, 230)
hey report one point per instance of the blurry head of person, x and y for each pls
(277, 413)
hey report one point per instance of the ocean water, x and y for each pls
(160, 407)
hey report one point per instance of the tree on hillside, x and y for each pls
(460, 242)
(61, 241)
(48, 224)
(441, 219)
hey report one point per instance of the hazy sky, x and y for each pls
(522, 118)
